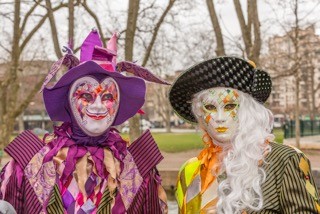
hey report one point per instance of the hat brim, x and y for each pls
(132, 92)
(230, 72)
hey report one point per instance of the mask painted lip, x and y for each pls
(221, 129)
(97, 116)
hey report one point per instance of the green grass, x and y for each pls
(179, 142)
(279, 134)
(176, 142)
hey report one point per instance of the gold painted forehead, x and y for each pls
(221, 96)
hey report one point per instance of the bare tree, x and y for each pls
(295, 61)
(220, 51)
(11, 106)
(163, 107)
(250, 29)
(131, 35)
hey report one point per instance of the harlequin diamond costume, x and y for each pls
(241, 169)
(85, 166)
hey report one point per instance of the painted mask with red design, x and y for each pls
(94, 104)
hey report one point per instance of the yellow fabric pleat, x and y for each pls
(202, 166)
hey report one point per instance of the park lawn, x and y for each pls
(279, 134)
(176, 142)
(179, 142)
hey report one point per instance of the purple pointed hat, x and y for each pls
(98, 62)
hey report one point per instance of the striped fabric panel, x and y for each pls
(14, 193)
(285, 188)
(139, 199)
(27, 144)
(294, 197)
(32, 204)
(152, 203)
(147, 199)
(105, 203)
(145, 153)
(23, 198)
(55, 205)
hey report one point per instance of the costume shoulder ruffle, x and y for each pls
(24, 147)
(145, 153)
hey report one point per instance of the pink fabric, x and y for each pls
(139, 71)
(7, 174)
(112, 45)
(42, 177)
(69, 60)
(87, 46)
(130, 181)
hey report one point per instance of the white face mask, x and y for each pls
(220, 114)
(94, 105)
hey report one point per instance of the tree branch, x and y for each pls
(26, 17)
(96, 19)
(244, 28)
(255, 53)
(216, 27)
(54, 32)
(155, 32)
(36, 28)
(27, 100)
(4, 48)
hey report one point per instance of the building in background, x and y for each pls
(157, 107)
(34, 116)
(280, 63)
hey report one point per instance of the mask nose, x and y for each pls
(220, 117)
(97, 106)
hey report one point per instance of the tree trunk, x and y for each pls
(21, 123)
(297, 110)
(313, 95)
(54, 31)
(7, 119)
(134, 122)
(71, 24)
(243, 26)
(255, 52)
(168, 120)
(297, 75)
(216, 27)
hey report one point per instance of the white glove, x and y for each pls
(6, 208)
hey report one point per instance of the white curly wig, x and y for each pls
(240, 158)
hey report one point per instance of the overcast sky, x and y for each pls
(192, 22)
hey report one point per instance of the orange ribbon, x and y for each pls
(210, 163)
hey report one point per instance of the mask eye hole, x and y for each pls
(210, 107)
(87, 97)
(107, 97)
(230, 106)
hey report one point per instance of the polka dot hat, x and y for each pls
(224, 71)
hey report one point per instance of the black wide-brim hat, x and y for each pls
(230, 72)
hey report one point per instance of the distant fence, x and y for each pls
(307, 128)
